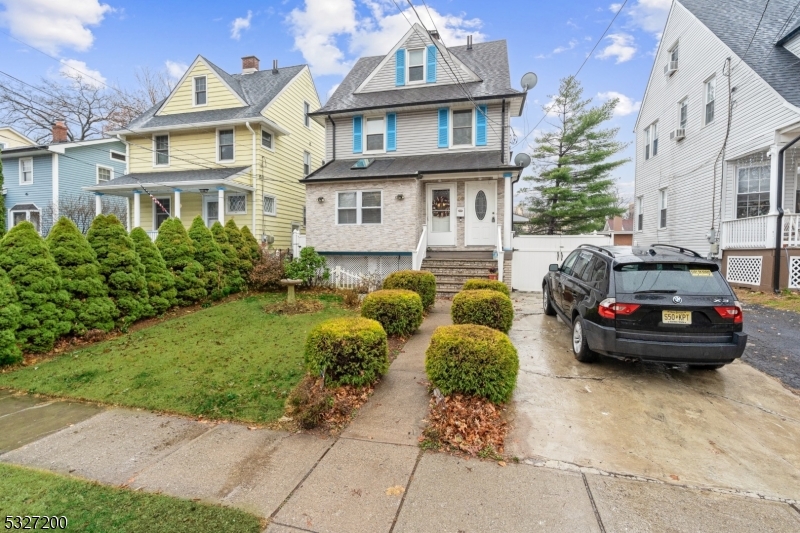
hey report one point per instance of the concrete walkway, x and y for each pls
(372, 479)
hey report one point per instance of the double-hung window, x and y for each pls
(225, 142)
(752, 191)
(376, 128)
(161, 143)
(416, 65)
(673, 54)
(306, 163)
(161, 212)
(359, 207)
(639, 213)
(237, 204)
(462, 127)
(651, 141)
(266, 139)
(104, 174)
(26, 171)
(662, 208)
(270, 205)
(711, 96)
(200, 90)
(683, 113)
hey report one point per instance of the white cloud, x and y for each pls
(74, 69)
(648, 15)
(240, 24)
(622, 47)
(54, 24)
(572, 44)
(626, 105)
(332, 34)
(175, 69)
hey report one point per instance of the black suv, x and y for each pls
(660, 303)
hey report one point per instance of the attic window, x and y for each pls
(200, 90)
(362, 163)
(416, 65)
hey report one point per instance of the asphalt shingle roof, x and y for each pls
(165, 177)
(488, 60)
(410, 166)
(735, 22)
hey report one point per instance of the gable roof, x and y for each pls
(488, 60)
(734, 22)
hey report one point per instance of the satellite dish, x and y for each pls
(522, 160)
(529, 81)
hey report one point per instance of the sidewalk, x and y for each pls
(372, 479)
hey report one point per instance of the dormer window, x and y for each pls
(200, 90)
(416, 66)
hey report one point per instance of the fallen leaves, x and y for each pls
(467, 424)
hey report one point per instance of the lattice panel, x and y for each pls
(378, 266)
(794, 273)
(744, 269)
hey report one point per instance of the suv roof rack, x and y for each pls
(685, 251)
(598, 248)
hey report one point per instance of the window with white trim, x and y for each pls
(416, 66)
(237, 204)
(462, 127)
(200, 94)
(118, 156)
(752, 190)
(306, 163)
(651, 141)
(359, 207)
(683, 113)
(161, 149)
(639, 213)
(306, 111)
(3, 146)
(161, 212)
(26, 171)
(225, 142)
(104, 174)
(711, 97)
(32, 216)
(270, 205)
(673, 53)
(266, 139)
(662, 208)
(376, 127)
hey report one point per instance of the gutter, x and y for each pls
(253, 175)
(275, 128)
(416, 104)
(334, 138)
(776, 272)
(170, 185)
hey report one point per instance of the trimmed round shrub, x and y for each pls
(160, 283)
(208, 254)
(120, 267)
(490, 284)
(10, 314)
(483, 307)
(347, 351)
(472, 360)
(399, 311)
(37, 279)
(423, 283)
(242, 251)
(234, 282)
(178, 252)
(80, 273)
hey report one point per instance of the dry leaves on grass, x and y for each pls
(299, 307)
(467, 424)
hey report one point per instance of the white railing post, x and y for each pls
(421, 251)
(500, 253)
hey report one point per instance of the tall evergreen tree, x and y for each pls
(10, 314)
(178, 252)
(237, 241)
(37, 279)
(573, 191)
(208, 254)
(160, 283)
(233, 276)
(120, 267)
(251, 245)
(80, 272)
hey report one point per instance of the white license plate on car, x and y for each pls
(676, 317)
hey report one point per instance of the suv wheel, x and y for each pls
(547, 303)
(579, 345)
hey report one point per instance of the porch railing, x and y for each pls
(791, 230)
(421, 251)
(746, 232)
(152, 235)
(501, 255)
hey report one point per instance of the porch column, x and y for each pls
(98, 204)
(772, 221)
(137, 209)
(508, 202)
(221, 205)
(176, 211)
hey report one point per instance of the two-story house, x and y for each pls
(417, 151)
(224, 146)
(43, 181)
(716, 163)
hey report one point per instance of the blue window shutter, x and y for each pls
(444, 115)
(357, 125)
(400, 67)
(391, 132)
(480, 126)
(431, 75)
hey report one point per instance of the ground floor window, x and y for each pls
(237, 204)
(752, 191)
(161, 211)
(359, 207)
(29, 215)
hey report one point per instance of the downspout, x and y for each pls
(776, 273)
(503, 134)
(253, 174)
(334, 139)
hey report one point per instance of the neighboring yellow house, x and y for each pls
(224, 147)
(11, 138)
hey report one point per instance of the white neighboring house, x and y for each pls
(748, 194)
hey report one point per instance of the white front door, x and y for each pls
(441, 199)
(481, 213)
(211, 210)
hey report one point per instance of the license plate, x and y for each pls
(676, 317)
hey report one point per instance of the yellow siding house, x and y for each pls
(224, 146)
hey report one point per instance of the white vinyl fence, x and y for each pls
(533, 255)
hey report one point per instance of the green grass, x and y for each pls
(89, 507)
(230, 361)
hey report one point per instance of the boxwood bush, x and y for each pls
(483, 307)
(399, 311)
(472, 360)
(490, 284)
(423, 283)
(347, 351)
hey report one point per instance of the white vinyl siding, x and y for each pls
(711, 98)
(359, 207)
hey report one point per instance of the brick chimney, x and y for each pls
(249, 64)
(60, 132)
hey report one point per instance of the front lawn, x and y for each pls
(231, 361)
(91, 507)
(785, 301)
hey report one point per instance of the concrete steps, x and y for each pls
(451, 274)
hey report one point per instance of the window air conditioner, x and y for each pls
(678, 135)
(670, 68)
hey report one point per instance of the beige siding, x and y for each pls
(218, 94)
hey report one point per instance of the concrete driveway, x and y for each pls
(732, 430)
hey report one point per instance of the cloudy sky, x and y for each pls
(108, 39)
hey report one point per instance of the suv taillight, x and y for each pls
(609, 308)
(733, 312)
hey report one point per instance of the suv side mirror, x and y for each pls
(554, 268)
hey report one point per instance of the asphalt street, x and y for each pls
(774, 343)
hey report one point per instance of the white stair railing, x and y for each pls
(421, 252)
(152, 235)
(500, 253)
(791, 230)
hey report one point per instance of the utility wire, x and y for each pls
(754, 33)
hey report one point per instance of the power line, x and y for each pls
(754, 33)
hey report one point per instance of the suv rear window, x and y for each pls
(669, 277)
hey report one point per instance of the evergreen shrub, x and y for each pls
(208, 254)
(242, 251)
(423, 283)
(491, 284)
(399, 311)
(483, 307)
(10, 315)
(347, 351)
(310, 267)
(160, 283)
(234, 282)
(251, 245)
(178, 252)
(472, 360)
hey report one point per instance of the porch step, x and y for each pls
(457, 263)
(452, 273)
